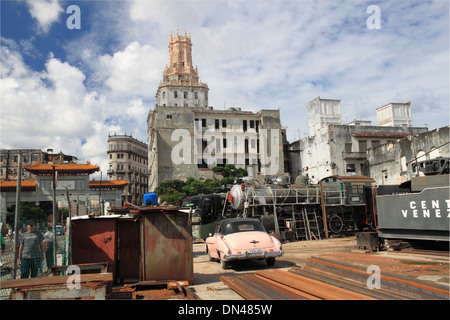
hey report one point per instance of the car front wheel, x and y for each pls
(224, 264)
(270, 262)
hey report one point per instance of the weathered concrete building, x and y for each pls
(128, 161)
(9, 161)
(390, 163)
(333, 148)
(186, 137)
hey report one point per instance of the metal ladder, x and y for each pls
(299, 226)
(306, 225)
(313, 225)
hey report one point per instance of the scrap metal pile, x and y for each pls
(323, 279)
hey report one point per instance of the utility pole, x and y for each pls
(55, 244)
(16, 218)
(69, 229)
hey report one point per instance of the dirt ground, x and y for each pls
(207, 284)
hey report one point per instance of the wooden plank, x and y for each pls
(55, 280)
(102, 266)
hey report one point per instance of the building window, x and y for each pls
(218, 146)
(384, 175)
(245, 125)
(164, 94)
(362, 145)
(203, 123)
(224, 123)
(348, 147)
(175, 94)
(185, 94)
(350, 168)
(224, 143)
(196, 95)
(252, 123)
(169, 116)
(216, 124)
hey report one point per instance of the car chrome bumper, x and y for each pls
(249, 255)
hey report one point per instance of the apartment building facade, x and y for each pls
(9, 161)
(128, 161)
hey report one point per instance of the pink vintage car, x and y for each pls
(242, 239)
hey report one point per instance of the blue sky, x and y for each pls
(67, 89)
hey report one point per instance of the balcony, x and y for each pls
(354, 155)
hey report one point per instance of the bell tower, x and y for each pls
(181, 86)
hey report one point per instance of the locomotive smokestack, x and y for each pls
(251, 171)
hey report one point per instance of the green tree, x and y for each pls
(29, 211)
(174, 191)
(229, 173)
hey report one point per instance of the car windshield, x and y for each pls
(242, 226)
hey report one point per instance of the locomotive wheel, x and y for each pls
(335, 224)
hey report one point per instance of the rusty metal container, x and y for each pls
(166, 244)
(112, 239)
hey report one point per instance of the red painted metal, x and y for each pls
(108, 239)
(95, 240)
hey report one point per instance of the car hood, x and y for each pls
(244, 240)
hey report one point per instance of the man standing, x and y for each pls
(31, 251)
(49, 253)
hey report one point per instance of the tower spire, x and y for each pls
(181, 84)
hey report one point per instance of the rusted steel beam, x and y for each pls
(314, 287)
(191, 295)
(288, 291)
(349, 284)
(243, 289)
(414, 288)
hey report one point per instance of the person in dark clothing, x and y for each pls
(49, 253)
(31, 251)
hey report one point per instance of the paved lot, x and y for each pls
(207, 284)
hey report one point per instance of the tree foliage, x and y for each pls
(174, 191)
(29, 211)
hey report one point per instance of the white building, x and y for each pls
(333, 148)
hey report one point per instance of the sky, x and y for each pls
(70, 76)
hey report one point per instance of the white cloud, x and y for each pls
(49, 109)
(46, 12)
(135, 71)
(253, 54)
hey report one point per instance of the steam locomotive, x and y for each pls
(416, 209)
(303, 211)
